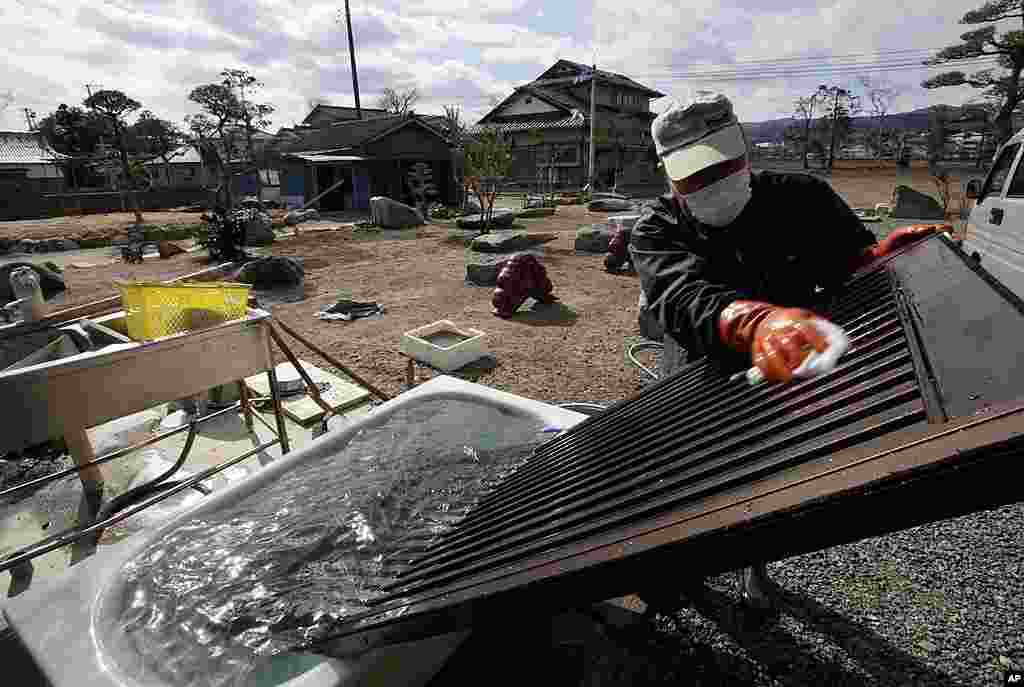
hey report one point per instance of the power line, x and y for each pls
(816, 58)
(818, 66)
(823, 70)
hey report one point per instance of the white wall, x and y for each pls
(519, 106)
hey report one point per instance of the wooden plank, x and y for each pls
(340, 395)
(48, 401)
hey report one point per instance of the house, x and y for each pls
(547, 122)
(28, 163)
(322, 115)
(353, 160)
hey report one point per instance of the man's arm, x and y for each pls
(679, 289)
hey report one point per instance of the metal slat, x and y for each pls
(659, 460)
(902, 403)
(580, 481)
(720, 395)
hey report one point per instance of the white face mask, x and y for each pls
(720, 203)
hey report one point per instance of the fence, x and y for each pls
(37, 206)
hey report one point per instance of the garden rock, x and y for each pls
(502, 218)
(472, 207)
(911, 204)
(482, 268)
(258, 231)
(168, 249)
(298, 216)
(531, 212)
(49, 281)
(609, 205)
(534, 202)
(500, 242)
(252, 203)
(390, 214)
(593, 238)
(270, 272)
(26, 246)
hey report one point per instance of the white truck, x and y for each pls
(995, 227)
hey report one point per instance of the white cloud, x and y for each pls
(464, 51)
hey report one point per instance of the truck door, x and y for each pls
(996, 227)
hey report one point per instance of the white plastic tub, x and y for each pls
(70, 626)
(444, 345)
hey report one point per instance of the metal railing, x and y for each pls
(73, 534)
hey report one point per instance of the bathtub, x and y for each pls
(66, 626)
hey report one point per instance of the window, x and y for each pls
(1017, 185)
(1000, 170)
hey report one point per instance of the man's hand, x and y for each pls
(778, 339)
(899, 238)
(904, 236)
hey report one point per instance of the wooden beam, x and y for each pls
(323, 193)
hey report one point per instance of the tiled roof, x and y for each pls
(575, 122)
(25, 148)
(347, 134)
(607, 77)
(343, 112)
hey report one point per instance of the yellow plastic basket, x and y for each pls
(154, 310)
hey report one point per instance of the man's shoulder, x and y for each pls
(798, 181)
(660, 212)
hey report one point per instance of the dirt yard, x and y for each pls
(575, 350)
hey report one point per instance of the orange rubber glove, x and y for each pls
(899, 238)
(777, 339)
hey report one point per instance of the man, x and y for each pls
(729, 259)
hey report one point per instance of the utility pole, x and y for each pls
(352, 58)
(593, 122)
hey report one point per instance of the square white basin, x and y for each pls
(443, 345)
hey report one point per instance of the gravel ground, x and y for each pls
(939, 604)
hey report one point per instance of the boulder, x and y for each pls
(270, 272)
(67, 244)
(500, 242)
(911, 204)
(534, 202)
(529, 212)
(482, 268)
(252, 203)
(610, 205)
(168, 249)
(390, 214)
(471, 207)
(49, 281)
(298, 216)
(258, 231)
(593, 238)
(502, 218)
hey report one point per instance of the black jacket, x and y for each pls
(794, 235)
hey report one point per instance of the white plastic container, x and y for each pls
(443, 345)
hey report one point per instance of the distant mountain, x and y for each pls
(918, 120)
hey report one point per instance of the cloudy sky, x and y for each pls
(453, 51)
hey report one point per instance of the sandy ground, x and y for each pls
(573, 350)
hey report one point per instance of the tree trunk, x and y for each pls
(807, 140)
(127, 173)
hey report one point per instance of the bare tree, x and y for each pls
(455, 129)
(222, 112)
(396, 102)
(881, 95)
(251, 115)
(115, 106)
(804, 110)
